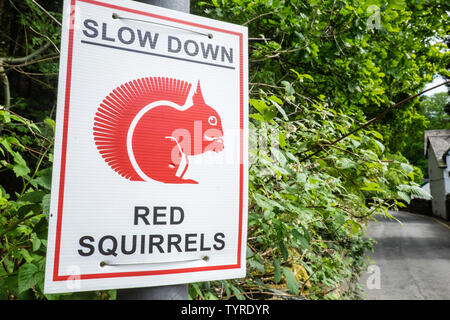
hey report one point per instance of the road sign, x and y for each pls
(150, 165)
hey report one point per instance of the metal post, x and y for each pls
(175, 292)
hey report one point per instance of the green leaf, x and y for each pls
(346, 163)
(288, 87)
(257, 116)
(276, 99)
(407, 168)
(194, 290)
(262, 202)
(354, 226)
(46, 204)
(44, 178)
(418, 192)
(35, 242)
(29, 276)
(254, 263)
(33, 196)
(259, 105)
(26, 255)
(291, 281)
(372, 186)
(25, 209)
(279, 108)
(267, 112)
(21, 169)
(282, 139)
(50, 123)
(302, 76)
(277, 271)
(6, 116)
(237, 293)
(300, 239)
(404, 196)
(284, 250)
(339, 218)
(279, 156)
(379, 145)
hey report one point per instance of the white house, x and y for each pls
(437, 151)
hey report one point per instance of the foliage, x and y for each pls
(24, 212)
(433, 110)
(318, 70)
(333, 48)
(307, 218)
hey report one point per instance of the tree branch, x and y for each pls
(28, 57)
(4, 77)
(259, 16)
(46, 12)
(5, 81)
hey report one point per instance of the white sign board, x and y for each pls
(150, 168)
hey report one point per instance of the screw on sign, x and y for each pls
(134, 137)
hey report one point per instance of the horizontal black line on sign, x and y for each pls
(156, 54)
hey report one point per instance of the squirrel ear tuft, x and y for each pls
(198, 96)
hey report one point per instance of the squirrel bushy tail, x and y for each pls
(120, 107)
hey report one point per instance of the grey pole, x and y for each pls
(175, 292)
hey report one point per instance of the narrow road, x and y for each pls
(411, 259)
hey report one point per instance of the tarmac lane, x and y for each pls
(411, 259)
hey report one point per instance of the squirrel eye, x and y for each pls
(212, 120)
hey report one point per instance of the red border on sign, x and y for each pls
(56, 276)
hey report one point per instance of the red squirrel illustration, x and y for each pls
(143, 130)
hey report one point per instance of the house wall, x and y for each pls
(447, 178)
(447, 187)
(437, 185)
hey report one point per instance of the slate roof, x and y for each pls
(439, 140)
